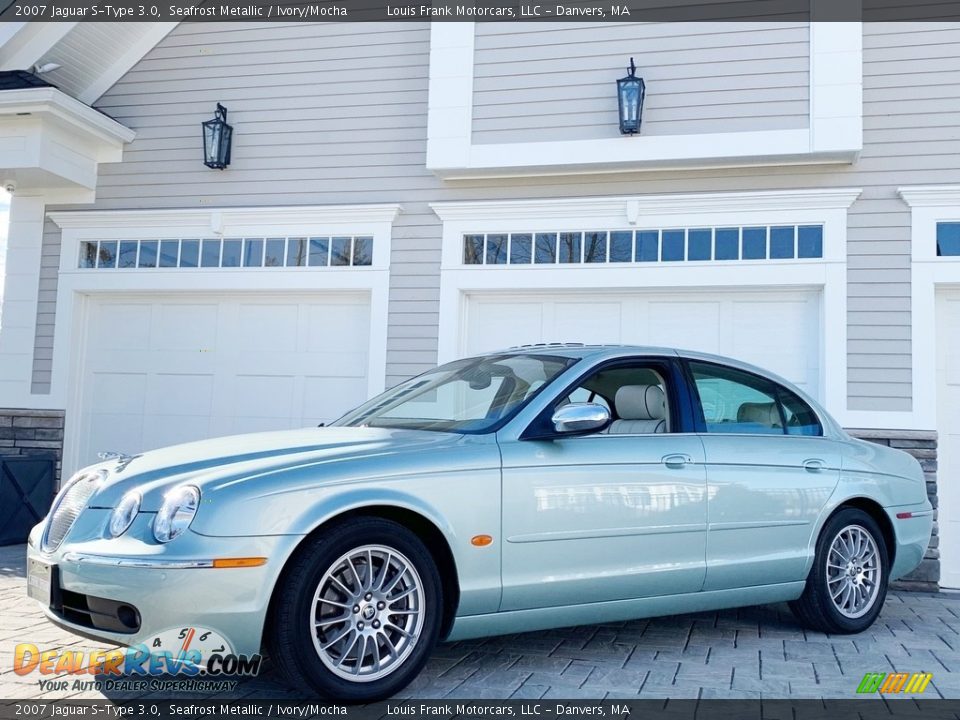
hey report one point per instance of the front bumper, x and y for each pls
(169, 586)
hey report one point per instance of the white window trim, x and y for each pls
(827, 207)
(834, 132)
(929, 204)
(76, 286)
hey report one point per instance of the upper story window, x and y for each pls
(760, 242)
(948, 239)
(271, 252)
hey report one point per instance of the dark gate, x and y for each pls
(26, 491)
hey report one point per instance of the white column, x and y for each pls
(20, 292)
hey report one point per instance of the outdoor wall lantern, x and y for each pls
(217, 135)
(630, 93)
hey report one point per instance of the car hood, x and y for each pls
(332, 452)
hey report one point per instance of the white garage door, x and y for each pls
(778, 330)
(166, 369)
(948, 445)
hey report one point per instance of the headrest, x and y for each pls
(765, 414)
(640, 402)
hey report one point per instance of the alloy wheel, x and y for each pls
(853, 571)
(367, 613)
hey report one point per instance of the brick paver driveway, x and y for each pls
(747, 653)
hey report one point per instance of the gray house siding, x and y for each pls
(329, 114)
(553, 80)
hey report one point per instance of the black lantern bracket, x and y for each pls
(631, 92)
(217, 139)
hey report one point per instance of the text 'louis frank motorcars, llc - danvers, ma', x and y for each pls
(537, 487)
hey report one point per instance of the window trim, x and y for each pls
(700, 422)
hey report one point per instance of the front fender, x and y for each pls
(460, 505)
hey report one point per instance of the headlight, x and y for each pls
(123, 514)
(176, 513)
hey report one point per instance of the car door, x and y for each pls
(770, 472)
(605, 516)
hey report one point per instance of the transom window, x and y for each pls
(257, 252)
(948, 239)
(760, 242)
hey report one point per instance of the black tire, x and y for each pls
(815, 608)
(289, 631)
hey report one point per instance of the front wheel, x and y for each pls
(357, 612)
(848, 582)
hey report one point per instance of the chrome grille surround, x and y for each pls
(69, 503)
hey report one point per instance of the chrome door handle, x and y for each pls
(813, 465)
(676, 461)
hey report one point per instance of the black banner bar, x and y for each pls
(478, 10)
(860, 709)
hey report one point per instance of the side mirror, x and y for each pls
(577, 418)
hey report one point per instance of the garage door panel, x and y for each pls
(326, 398)
(120, 327)
(689, 325)
(275, 327)
(948, 423)
(166, 369)
(593, 322)
(497, 325)
(765, 333)
(121, 393)
(179, 394)
(339, 364)
(779, 330)
(264, 396)
(176, 362)
(950, 364)
(186, 327)
(162, 430)
(111, 431)
(253, 424)
(344, 324)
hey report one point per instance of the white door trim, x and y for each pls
(929, 274)
(827, 207)
(76, 285)
(929, 204)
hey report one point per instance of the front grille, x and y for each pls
(67, 507)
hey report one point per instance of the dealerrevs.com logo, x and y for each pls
(186, 653)
(897, 682)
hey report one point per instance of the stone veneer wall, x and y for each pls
(922, 444)
(25, 432)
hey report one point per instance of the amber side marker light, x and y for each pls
(481, 540)
(239, 562)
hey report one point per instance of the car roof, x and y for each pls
(612, 351)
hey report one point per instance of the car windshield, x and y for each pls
(465, 396)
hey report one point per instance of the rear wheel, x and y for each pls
(357, 612)
(847, 584)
